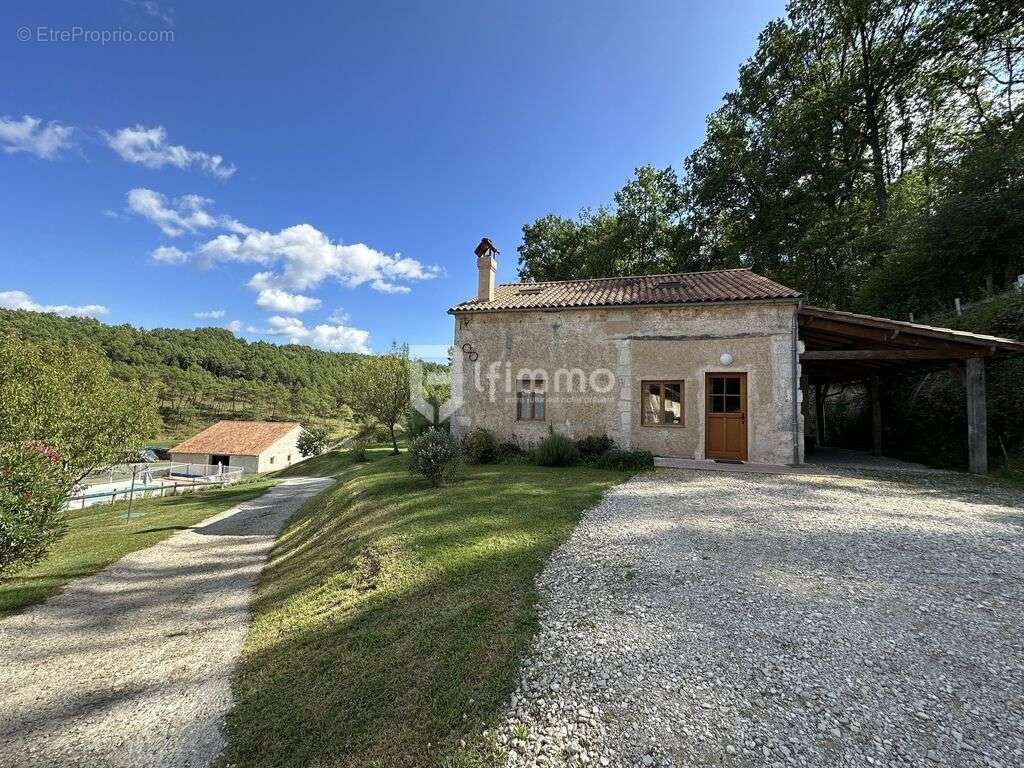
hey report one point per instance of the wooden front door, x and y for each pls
(726, 416)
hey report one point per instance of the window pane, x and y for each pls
(732, 403)
(539, 385)
(538, 406)
(652, 403)
(732, 386)
(718, 386)
(718, 404)
(521, 405)
(673, 403)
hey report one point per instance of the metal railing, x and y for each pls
(140, 481)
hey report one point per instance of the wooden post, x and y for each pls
(977, 425)
(819, 413)
(876, 416)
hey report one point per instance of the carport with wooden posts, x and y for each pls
(843, 347)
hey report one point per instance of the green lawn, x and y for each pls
(391, 615)
(328, 464)
(97, 536)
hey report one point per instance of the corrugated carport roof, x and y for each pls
(846, 346)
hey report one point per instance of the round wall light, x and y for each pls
(725, 359)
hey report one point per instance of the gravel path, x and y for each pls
(132, 666)
(742, 620)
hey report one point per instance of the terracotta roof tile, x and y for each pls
(682, 288)
(238, 438)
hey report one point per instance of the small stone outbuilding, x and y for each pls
(253, 446)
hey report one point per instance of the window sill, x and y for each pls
(663, 426)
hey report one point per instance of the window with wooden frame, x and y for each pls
(662, 403)
(530, 401)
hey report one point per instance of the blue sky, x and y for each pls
(320, 172)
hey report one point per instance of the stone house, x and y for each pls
(721, 365)
(700, 365)
(252, 446)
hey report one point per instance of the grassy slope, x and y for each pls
(390, 609)
(97, 537)
(325, 465)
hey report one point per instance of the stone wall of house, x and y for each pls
(594, 361)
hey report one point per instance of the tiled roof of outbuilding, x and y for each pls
(236, 438)
(681, 288)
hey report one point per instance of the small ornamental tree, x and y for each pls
(33, 488)
(313, 441)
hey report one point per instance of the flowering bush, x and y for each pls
(33, 487)
(436, 455)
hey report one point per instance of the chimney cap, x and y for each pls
(486, 247)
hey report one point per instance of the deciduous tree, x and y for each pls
(379, 387)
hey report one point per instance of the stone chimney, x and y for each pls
(486, 266)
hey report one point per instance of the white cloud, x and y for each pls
(210, 314)
(149, 147)
(21, 300)
(276, 300)
(154, 9)
(385, 287)
(174, 217)
(307, 257)
(168, 254)
(338, 316)
(235, 326)
(335, 338)
(30, 135)
(295, 259)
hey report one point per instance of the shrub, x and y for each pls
(436, 455)
(510, 453)
(313, 441)
(616, 458)
(593, 446)
(479, 446)
(556, 451)
(33, 489)
(359, 449)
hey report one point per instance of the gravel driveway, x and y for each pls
(748, 620)
(132, 666)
